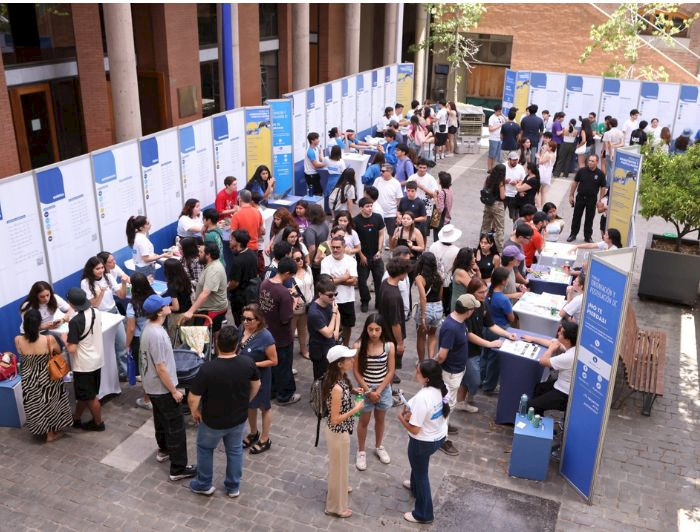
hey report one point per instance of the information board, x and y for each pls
(404, 84)
(659, 100)
(688, 111)
(348, 102)
(619, 97)
(378, 102)
(623, 192)
(390, 88)
(118, 189)
(197, 162)
(597, 350)
(24, 260)
(332, 96)
(364, 104)
(581, 96)
(282, 141)
(258, 138)
(547, 91)
(160, 170)
(69, 215)
(229, 147)
(315, 114)
(509, 90)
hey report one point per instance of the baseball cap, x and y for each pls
(337, 352)
(400, 250)
(468, 301)
(514, 155)
(513, 251)
(540, 217)
(76, 297)
(154, 303)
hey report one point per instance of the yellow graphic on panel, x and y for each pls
(258, 135)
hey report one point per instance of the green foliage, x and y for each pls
(449, 21)
(670, 188)
(620, 36)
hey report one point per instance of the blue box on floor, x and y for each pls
(532, 448)
(11, 403)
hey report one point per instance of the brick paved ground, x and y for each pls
(648, 477)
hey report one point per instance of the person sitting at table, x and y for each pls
(352, 141)
(560, 354)
(574, 299)
(262, 182)
(42, 298)
(611, 240)
(555, 224)
(145, 258)
(135, 322)
(190, 222)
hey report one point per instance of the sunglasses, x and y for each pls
(246, 318)
(299, 259)
(331, 294)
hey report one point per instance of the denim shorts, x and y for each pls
(385, 401)
(494, 149)
(433, 314)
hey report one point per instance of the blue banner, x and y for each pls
(508, 90)
(282, 143)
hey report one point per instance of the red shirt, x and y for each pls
(225, 202)
(250, 219)
(536, 243)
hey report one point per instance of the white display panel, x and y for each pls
(197, 162)
(619, 98)
(688, 110)
(315, 121)
(229, 147)
(160, 168)
(390, 88)
(69, 213)
(364, 102)
(547, 91)
(299, 124)
(581, 96)
(118, 189)
(378, 103)
(659, 100)
(333, 108)
(348, 103)
(24, 260)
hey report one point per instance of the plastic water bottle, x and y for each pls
(537, 421)
(522, 409)
(358, 398)
(530, 413)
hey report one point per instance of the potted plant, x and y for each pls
(670, 189)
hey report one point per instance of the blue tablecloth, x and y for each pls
(539, 286)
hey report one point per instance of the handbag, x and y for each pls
(58, 367)
(436, 217)
(8, 366)
(580, 150)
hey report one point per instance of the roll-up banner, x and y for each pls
(582, 96)
(197, 162)
(404, 84)
(258, 138)
(659, 100)
(619, 98)
(522, 93)
(547, 91)
(333, 109)
(688, 110)
(282, 144)
(509, 82)
(597, 350)
(229, 147)
(622, 204)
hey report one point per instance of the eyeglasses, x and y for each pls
(331, 294)
(247, 318)
(299, 259)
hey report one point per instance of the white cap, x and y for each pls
(337, 352)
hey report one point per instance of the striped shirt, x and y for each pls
(377, 367)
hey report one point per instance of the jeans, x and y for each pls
(283, 384)
(472, 375)
(120, 345)
(170, 430)
(317, 354)
(376, 267)
(583, 203)
(490, 367)
(148, 269)
(419, 453)
(608, 172)
(207, 441)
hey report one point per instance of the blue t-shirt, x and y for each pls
(373, 172)
(509, 135)
(500, 308)
(390, 152)
(256, 346)
(340, 142)
(311, 154)
(453, 336)
(404, 169)
(140, 320)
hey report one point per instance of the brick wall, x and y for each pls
(332, 42)
(94, 97)
(9, 159)
(249, 53)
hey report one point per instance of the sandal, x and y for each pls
(343, 515)
(261, 447)
(305, 355)
(250, 439)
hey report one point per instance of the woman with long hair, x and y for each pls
(665, 144)
(337, 392)
(42, 298)
(301, 216)
(443, 202)
(464, 269)
(612, 239)
(180, 292)
(494, 217)
(280, 219)
(502, 315)
(524, 150)
(111, 266)
(136, 319)
(374, 371)
(429, 283)
(407, 234)
(303, 283)
(145, 258)
(383, 122)
(528, 187)
(587, 142)
(425, 419)
(190, 222)
(374, 170)
(315, 235)
(343, 219)
(566, 150)
(290, 235)
(46, 405)
(419, 138)
(189, 258)
(545, 161)
(452, 127)
(344, 194)
(487, 256)
(262, 182)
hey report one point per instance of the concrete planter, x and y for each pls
(668, 275)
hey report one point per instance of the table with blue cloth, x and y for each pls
(548, 279)
(518, 375)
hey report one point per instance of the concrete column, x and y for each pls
(300, 46)
(419, 65)
(352, 38)
(389, 34)
(399, 32)
(122, 71)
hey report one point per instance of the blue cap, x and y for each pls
(154, 303)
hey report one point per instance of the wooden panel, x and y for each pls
(486, 81)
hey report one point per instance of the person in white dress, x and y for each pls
(545, 161)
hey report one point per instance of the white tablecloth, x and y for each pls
(557, 254)
(358, 162)
(536, 314)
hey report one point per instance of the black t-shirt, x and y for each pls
(368, 232)
(480, 318)
(184, 298)
(533, 126)
(529, 196)
(589, 181)
(416, 207)
(319, 317)
(391, 307)
(243, 267)
(224, 385)
(509, 135)
(638, 136)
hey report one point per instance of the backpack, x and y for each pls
(318, 405)
(487, 197)
(251, 292)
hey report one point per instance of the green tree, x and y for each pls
(447, 27)
(620, 35)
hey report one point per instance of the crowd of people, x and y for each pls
(300, 290)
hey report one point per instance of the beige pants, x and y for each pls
(299, 324)
(494, 220)
(172, 325)
(338, 444)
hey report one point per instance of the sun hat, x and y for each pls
(337, 352)
(154, 303)
(77, 298)
(449, 234)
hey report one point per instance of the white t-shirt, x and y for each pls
(654, 135)
(564, 364)
(142, 248)
(517, 174)
(405, 290)
(627, 128)
(496, 120)
(108, 285)
(442, 116)
(426, 413)
(90, 353)
(445, 255)
(426, 181)
(382, 123)
(377, 209)
(46, 315)
(337, 268)
(573, 307)
(335, 167)
(390, 194)
(352, 240)
(186, 223)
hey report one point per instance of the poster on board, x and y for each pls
(688, 110)
(69, 216)
(378, 101)
(522, 93)
(299, 124)
(658, 100)
(364, 104)
(390, 88)
(229, 147)
(197, 162)
(315, 113)
(258, 138)
(118, 189)
(282, 144)
(547, 91)
(348, 102)
(508, 90)
(581, 96)
(623, 192)
(160, 169)
(404, 84)
(20, 223)
(619, 97)
(332, 97)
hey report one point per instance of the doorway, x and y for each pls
(35, 126)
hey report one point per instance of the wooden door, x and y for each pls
(35, 125)
(486, 81)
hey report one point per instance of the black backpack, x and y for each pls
(487, 197)
(318, 405)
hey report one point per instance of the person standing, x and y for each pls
(324, 325)
(391, 306)
(510, 133)
(427, 185)
(390, 193)
(630, 125)
(613, 139)
(248, 218)
(212, 233)
(441, 120)
(404, 164)
(342, 269)
(494, 218)
(277, 304)
(445, 252)
(313, 160)
(159, 380)
(371, 230)
(515, 174)
(142, 250)
(496, 121)
(218, 400)
(532, 128)
(242, 274)
(590, 184)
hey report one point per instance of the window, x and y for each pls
(267, 14)
(210, 87)
(206, 24)
(269, 75)
(679, 21)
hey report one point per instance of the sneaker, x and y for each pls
(233, 494)
(382, 455)
(395, 402)
(141, 403)
(449, 448)
(162, 456)
(451, 429)
(361, 461)
(208, 492)
(293, 399)
(91, 425)
(396, 379)
(407, 484)
(364, 307)
(466, 407)
(408, 516)
(77, 424)
(189, 472)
